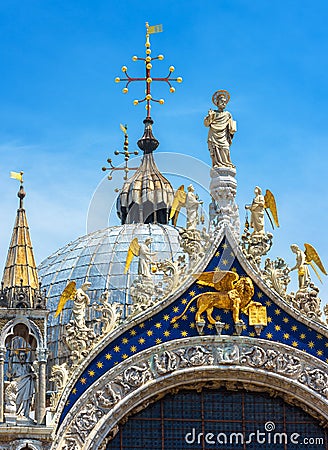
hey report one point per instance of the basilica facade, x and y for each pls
(158, 336)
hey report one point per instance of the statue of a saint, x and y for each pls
(24, 376)
(192, 205)
(145, 258)
(80, 302)
(257, 211)
(222, 128)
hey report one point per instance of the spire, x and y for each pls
(20, 285)
(147, 196)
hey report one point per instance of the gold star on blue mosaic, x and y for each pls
(158, 329)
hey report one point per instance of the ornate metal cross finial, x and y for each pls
(148, 79)
(126, 154)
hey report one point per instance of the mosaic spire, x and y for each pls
(20, 283)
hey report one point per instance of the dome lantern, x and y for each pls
(147, 196)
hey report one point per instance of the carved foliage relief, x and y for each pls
(109, 392)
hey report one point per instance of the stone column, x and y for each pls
(2, 383)
(223, 209)
(41, 394)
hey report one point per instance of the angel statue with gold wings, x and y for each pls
(188, 200)
(81, 301)
(142, 250)
(262, 203)
(303, 259)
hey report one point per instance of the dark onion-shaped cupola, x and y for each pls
(147, 196)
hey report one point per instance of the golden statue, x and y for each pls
(81, 301)
(232, 293)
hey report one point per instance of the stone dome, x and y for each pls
(99, 258)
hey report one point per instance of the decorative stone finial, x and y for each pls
(148, 143)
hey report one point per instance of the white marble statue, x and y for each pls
(24, 376)
(145, 258)
(78, 337)
(301, 266)
(188, 200)
(221, 131)
(110, 313)
(257, 211)
(192, 205)
(10, 397)
(80, 303)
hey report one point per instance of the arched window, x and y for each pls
(219, 418)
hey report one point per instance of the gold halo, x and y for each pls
(24, 349)
(218, 93)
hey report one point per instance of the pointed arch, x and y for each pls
(32, 326)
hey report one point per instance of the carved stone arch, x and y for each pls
(26, 445)
(257, 364)
(108, 425)
(28, 323)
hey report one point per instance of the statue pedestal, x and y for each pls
(23, 421)
(10, 418)
(255, 245)
(223, 209)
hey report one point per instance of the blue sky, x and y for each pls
(60, 108)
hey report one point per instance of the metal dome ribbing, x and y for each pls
(99, 258)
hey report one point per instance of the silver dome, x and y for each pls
(99, 258)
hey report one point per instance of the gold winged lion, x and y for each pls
(232, 292)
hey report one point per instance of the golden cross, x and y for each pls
(148, 79)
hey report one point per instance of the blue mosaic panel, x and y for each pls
(281, 327)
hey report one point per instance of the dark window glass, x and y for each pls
(220, 419)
